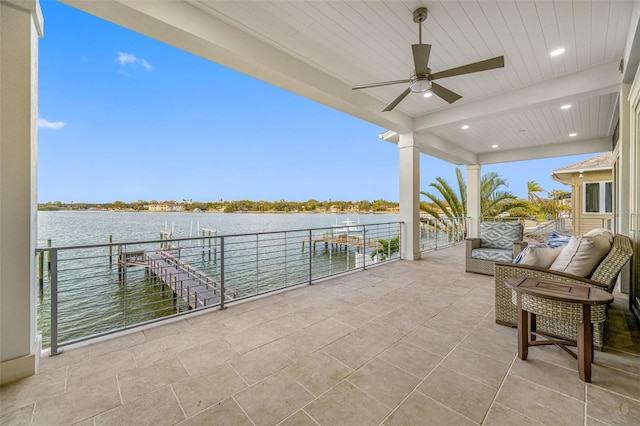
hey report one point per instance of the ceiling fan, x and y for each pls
(421, 79)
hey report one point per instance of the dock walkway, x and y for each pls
(193, 286)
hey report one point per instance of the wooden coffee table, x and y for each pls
(577, 297)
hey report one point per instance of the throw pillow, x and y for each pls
(600, 231)
(556, 239)
(582, 255)
(542, 257)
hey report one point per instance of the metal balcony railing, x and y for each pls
(92, 290)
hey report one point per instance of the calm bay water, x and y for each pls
(68, 228)
(93, 299)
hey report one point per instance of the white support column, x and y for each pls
(622, 171)
(473, 200)
(410, 196)
(21, 23)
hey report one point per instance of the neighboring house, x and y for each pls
(591, 183)
(166, 207)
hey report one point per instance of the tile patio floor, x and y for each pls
(407, 343)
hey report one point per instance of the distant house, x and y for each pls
(591, 183)
(166, 207)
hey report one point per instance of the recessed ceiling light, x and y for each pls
(465, 127)
(427, 94)
(571, 135)
(557, 52)
(567, 106)
(494, 146)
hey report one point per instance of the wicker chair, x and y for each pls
(499, 241)
(604, 277)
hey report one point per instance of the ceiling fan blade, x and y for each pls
(421, 54)
(384, 83)
(397, 100)
(444, 93)
(485, 65)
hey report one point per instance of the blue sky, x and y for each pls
(125, 117)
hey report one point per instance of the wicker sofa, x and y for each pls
(603, 277)
(499, 241)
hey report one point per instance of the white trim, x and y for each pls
(602, 201)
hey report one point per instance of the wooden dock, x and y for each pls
(195, 287)
(341, 241)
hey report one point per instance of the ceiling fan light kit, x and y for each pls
(421, 79)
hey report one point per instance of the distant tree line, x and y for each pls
(230, 206)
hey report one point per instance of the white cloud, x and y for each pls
(125, 59)
(46, 124)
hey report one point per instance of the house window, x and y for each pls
(598, 197)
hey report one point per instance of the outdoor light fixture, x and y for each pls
(573, 135)
(419, 84)
(580, 175)
(494, 146)
(567, 106)
(557, 52)
(428, 94)
(465, 127)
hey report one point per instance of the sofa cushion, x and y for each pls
(500, 235)
(600, 231)
(494, 255)
(582, 255)
(542, 257)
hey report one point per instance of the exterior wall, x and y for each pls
(21, 24)
(582, 221)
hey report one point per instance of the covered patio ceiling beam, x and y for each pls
(594, 81)
(186, 27)
(549, 151)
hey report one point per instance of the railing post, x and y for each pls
(221, 272)
(364, 247)
(54, 303)
(310, 281)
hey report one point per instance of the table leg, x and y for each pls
(585, 344)
(532, 326)
(523, 330)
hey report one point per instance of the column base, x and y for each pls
(21, 367)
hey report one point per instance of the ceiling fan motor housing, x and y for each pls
(419, 83)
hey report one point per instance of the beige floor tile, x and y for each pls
(19, 417)
(259, 363)
(312, 338)
(411, 359)
(550, 376)
(161, 349)
(385, 382)
(353, 317)
(497, 349)
(205, 357)
(486, 370)
(225, 412)
(539, 403)
(78, 404)
(499, 415)
(32, 389)
(110, 364)
(300, 418)
(159, 330)
(613, 380)
(318, 371)
(611, 408)
(285, 325)
(431, 339)
(400, 321)
(618, 360)
(201, 391)
(553, 355)
(468, 397)
(419, 410)
(154, 409)
(117, 343)
(143, 380)
(345, 404)
(69, 356)
(375, 307)
(251, 338)
(353, 350)
(273, 399)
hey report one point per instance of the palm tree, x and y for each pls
(532, 188)
(452, 204)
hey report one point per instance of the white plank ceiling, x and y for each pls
(321, 49)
